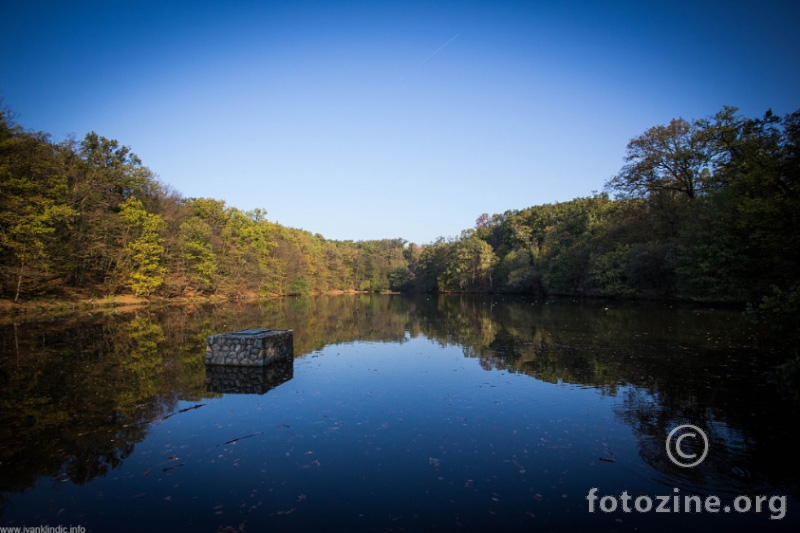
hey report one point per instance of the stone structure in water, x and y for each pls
(250, 347)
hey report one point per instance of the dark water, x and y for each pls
(397, 414)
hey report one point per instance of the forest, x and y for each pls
(704, 209)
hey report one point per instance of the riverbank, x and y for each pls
(53, 307)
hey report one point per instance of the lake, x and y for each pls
(438, 413)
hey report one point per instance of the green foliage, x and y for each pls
(89, 215)
(651, 268)
(609, 271)
(517, 272)
(196, 254)
(142, 249)
(32, 186)
(780, 309)
(675, 158)
(469, 264)
(710, 258)
(299, 286)
(707, 209)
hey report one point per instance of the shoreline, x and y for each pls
(53, 307)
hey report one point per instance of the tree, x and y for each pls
(761, 173)
(101, 175)
(141, 261)
(710, 256)
(469, 264)
(517, 272)
(197, 261)
(32, 186)
(675, 159)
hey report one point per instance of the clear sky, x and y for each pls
(381, 119)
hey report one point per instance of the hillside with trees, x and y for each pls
(706, 209)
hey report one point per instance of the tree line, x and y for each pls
(707, 209)
(89, 218)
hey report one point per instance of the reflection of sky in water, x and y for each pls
(370, 435)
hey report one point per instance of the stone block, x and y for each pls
(250, 347)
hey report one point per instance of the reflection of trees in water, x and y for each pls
(751, 447)
(682, 366)
(316, 322)
(726, 467)
(671, 365)
(79, 394)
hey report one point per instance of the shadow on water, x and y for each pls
(79, 394)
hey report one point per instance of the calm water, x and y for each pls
(397, 414)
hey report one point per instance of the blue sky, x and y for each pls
(366, 120)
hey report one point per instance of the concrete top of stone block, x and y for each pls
(254, 333)
(251, 331)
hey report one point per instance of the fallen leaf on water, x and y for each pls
(230, 529)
